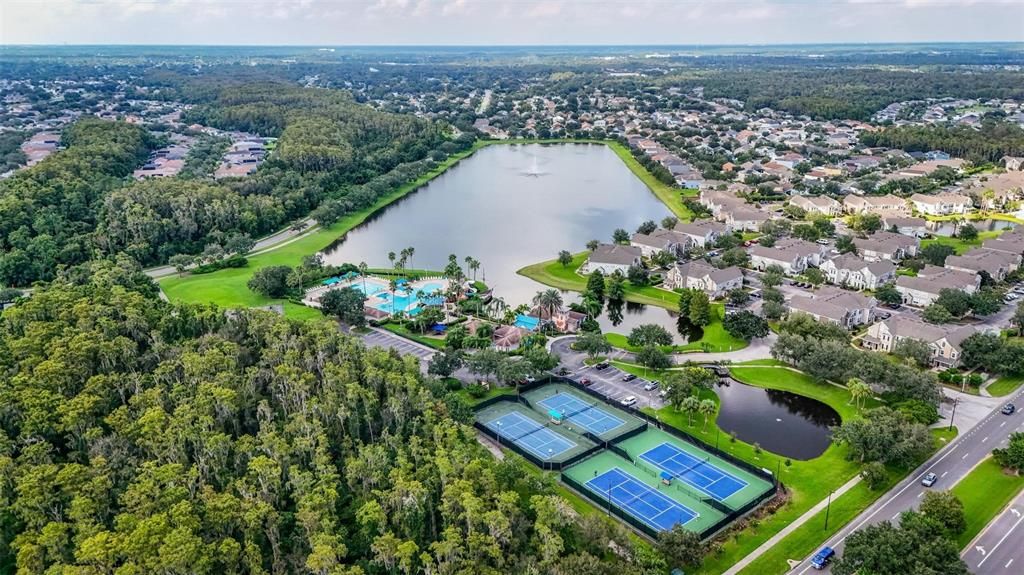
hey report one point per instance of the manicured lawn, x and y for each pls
(671, 196)
(556, 275)
(494, 391)
(434, 342)
(1005, 385)
(715, 339)
(984, 492)
(227, 288)
(959, 245)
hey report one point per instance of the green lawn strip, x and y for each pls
(808, 481)
(761, 363)
(1005, 385)
(985, 491)
(980, 215)
(715, 339)
(807, 538)
(669, 195)
(960, 245)
(492, 392)
(397, 328)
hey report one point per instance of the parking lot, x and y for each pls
(386, 339)
(608, 382)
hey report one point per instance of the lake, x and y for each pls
(785, 423)
(509, 206)
(947, 228)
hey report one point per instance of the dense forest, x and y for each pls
(58, 212)
(993, 141)
(144, 437)
(48, 212)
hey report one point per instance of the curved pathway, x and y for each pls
(758, 349)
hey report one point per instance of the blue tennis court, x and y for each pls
(699, 473)
(530, 435)
(640, 500)
(586, 415)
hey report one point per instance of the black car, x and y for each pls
(602, 365)
(628, 377)
(1009, 408)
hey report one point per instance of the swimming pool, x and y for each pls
(404, 301)
(527, 322)
(371, 288)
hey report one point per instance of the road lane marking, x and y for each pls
(1000, 542)
(985, 439)
(943, 474)
(965, 456)
(1007, 566)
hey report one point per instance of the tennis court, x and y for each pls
(636, 498)
(530, 435)
(584, 414)
(699, 473)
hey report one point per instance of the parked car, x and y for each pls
(602, 365)
(823, 241)
(663, 393)
(651, 386)
(884, 315)
(1008, 409)
(893, 305)
(822, 558)
(628, 377)
(929, 480)
(628, 401)
(585, 382)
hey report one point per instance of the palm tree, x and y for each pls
(474, 265)
(691, 405)
(549, 299)
(391, 258)
(859, 391)
(392, 286)
(469, 260)
(362, 272)
(707, 409)
(591, 305)
(411, 251)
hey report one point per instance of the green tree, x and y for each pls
(874, 475)
(888, 294)
(649, 334)
(968, 233)
(911, 547)
(745, 325)
(549, 300)
(1011, 456)
(647, 227)
(346, 304)
(944, 508)
(859, 391)
(616, 288)
(270, 281)
(596, 285)
(884, 435)
(738, 297)
(707, 409)
(700, 309)
(651, 357)
(936, 254)
(593, 344)
(845, 245)
(690, 405)
(620, 236)
(915, 351)
(681, 547)
(937, 314)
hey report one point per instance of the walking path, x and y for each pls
(774, 540)
(758, 349)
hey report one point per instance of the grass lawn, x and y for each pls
(959, 245)
(494, 391)
(434, 342)
(669, 195)
(808, 481)
(1005, 385)
(984, 492)
(715, 339)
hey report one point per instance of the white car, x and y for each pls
(628, 401)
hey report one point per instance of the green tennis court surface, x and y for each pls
(581, 412)
(706, 475)
(631, 490)
(532, 432)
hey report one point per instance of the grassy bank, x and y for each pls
(714, 340)
(960, 245)
(671, 196)
(1005, 385)
(984, 492)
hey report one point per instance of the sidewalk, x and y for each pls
(764, 547)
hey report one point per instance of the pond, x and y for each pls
(509, 206)
(947, 228)
(624, 317)
(785, 423)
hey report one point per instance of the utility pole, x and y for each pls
(956, 400)
(828, 506)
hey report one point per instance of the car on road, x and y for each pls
(628, 377)
(929, 480)
(651, 386)
(628, 401)
(585, 382)
(1008, 409)
(822, 558)
(602, 365)
(822, 241)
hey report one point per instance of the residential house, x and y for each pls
(943, 341)
(792, 262)
(995, 263)
(817, 205)
(743, 218)
(924, 289)
(564, 320)
(856, 273)
(610, 258)
(1011, 244)
(699, 275)
(701, 233)
(887, 246)
(905, 225)
(854, 204)
(1013, 164)
(836, 306)
(941, 204)
(925, 168)
(508, 337)
(659, 241)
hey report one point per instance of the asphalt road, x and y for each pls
(999, 550)
(951, 464)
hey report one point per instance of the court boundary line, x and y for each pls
(645, 520)
(692, 469)
(530, 448)
(591, 406)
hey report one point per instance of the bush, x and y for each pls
(235, 261)
(874, 475)
(918, 411)
(476, 390)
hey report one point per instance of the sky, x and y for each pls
(506, 22)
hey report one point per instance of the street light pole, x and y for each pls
(828, 506)
(956, 400)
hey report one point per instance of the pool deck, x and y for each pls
(379, 302)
